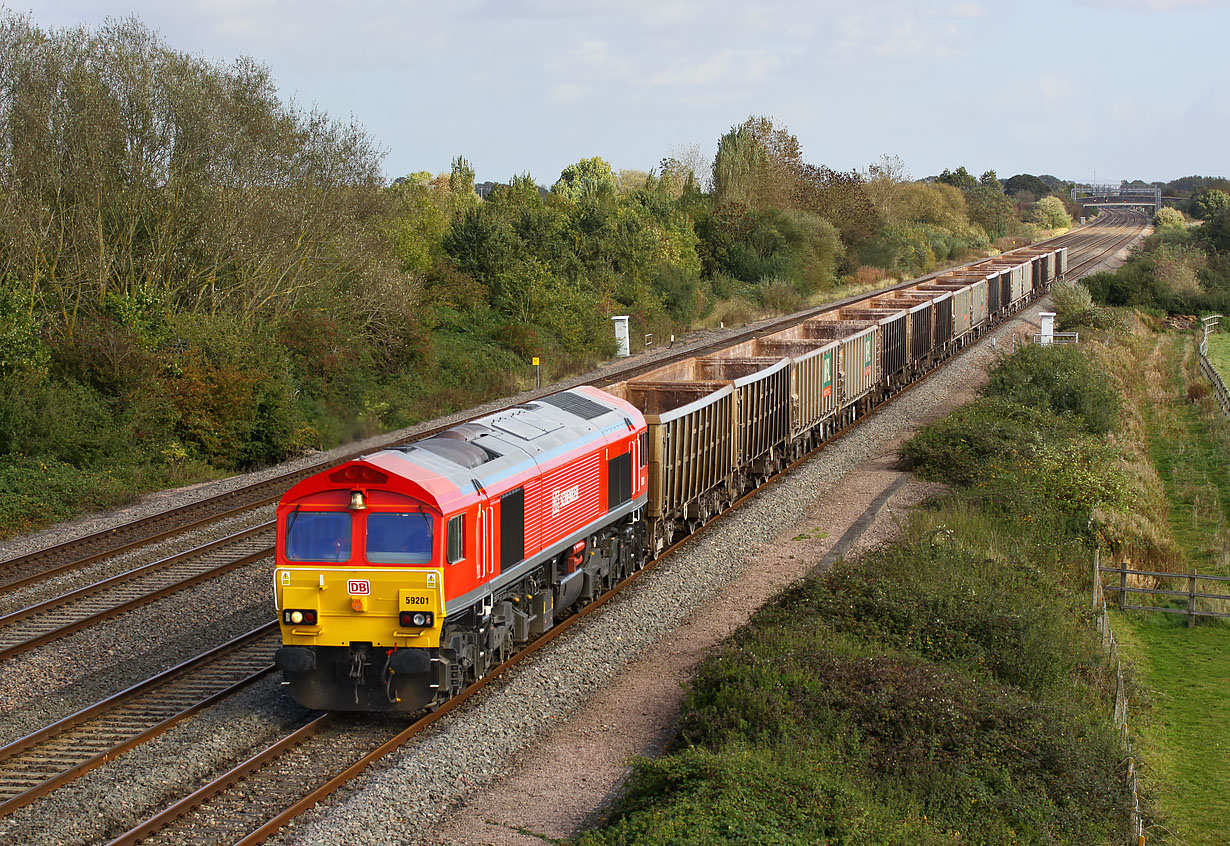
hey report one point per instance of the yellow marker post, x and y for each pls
(537, 372)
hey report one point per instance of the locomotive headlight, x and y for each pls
(419, 619)
(296, 617)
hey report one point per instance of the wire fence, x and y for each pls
(1136, 817)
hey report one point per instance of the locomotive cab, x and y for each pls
(359, 592)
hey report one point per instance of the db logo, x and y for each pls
(358, 587)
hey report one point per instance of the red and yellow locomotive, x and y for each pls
(405, 575)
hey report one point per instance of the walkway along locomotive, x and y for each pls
(404, 576)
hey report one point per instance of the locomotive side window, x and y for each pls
(644, 448)
(318, 536)
(619, 480)
(399, 538)
(456, 539)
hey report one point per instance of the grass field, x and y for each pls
(1186, 739)
(1219, 354)
(1184, 674)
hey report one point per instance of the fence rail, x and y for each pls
(1191, 594)
(1210, 324)
(1057, 338)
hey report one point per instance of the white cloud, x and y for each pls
(901, 31)
(1154, 5)
(729, 67)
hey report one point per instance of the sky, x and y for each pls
(1082, 89)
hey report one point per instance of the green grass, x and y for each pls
(1184, 674)
(1219, 354)
(1189, 446)
(1186, 737)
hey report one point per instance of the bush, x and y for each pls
(1060, 378)
(1049, 212)
(1074, 308)
(1169, 217)
(960, 448)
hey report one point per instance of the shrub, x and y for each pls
(1074, 307)
(1169, 217)
(960, 448)
(1050, 213)
(1061, 378)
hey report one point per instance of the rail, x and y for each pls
(1136, 817)
(1208, 325)
(1056, 338)
(1191, 594)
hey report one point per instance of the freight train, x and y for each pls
(404, 576)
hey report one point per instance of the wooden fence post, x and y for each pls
(1191, 599)
(1097, 575)
(1123, 587)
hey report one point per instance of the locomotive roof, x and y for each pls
(491, 450)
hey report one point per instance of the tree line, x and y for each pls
(197, 277)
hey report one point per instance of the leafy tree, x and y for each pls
(1209, 204)
(840, 198)
(882, 182)
(1027, 183)
(1216, 232)
(960, 178)
(990, 209)
(461, 180)
(758, 164)
(588, 179)
(1050, 213)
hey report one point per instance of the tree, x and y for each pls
(883, 181)
(461, 180)
(1028, 183)
(991, 209)
(1216, 232)
(1050, 213)
(588, 179)
(842, 199)
(1209, 204)
(757, 164)
(961, 178)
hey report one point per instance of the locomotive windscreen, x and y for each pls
(318, 536)
(399, 538)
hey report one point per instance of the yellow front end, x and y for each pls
(359, 605)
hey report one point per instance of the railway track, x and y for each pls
(70, 612)
(61, 615)
(250, 802)
(41, 762)
(72, 555)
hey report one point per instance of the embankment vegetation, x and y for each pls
(197, 277)
(1177, 270)
(947, 687)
